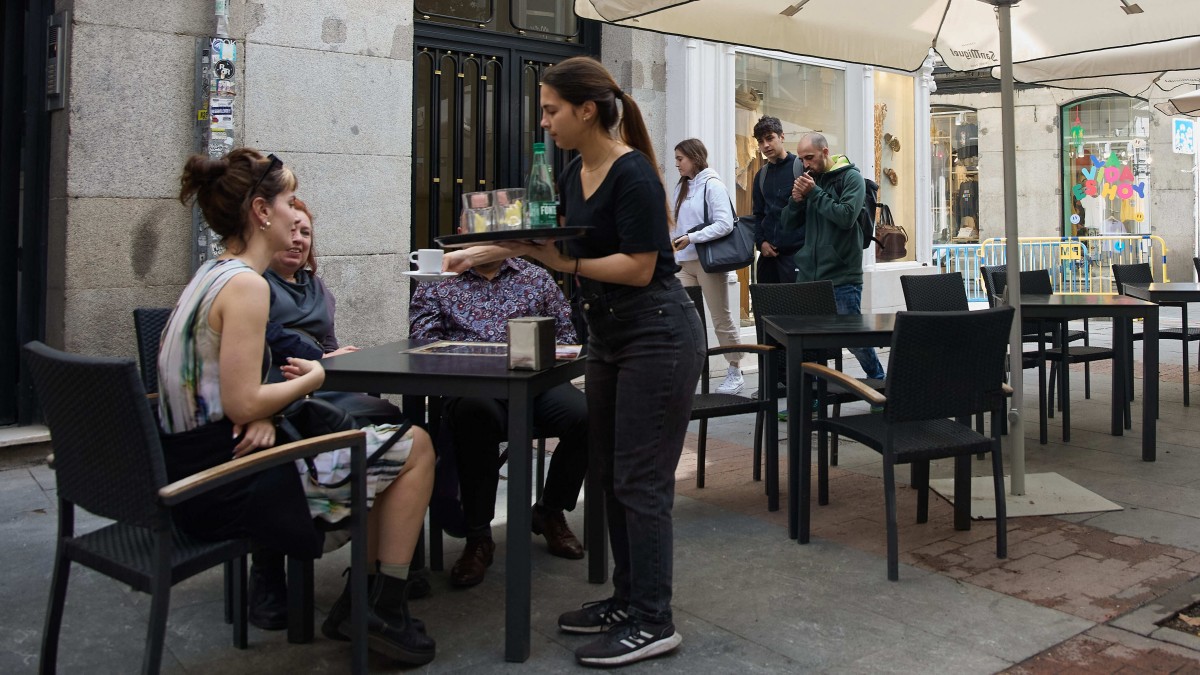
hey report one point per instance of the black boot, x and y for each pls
(332, 627)
(268, 590)
(391, 631)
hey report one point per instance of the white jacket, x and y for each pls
(691, 212)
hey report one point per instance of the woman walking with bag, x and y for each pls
(645, 348)
(701, 201)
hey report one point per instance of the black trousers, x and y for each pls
(479, 425)
(778, 270)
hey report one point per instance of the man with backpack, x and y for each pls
(772, 187)
(827, 201)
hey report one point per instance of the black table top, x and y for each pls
(788, 324)
(1035, 306)
(1172, 292)
(390, 368)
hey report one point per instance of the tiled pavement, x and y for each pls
(1077, 593)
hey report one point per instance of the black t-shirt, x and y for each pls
(627, 214)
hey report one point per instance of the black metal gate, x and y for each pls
(476, 115)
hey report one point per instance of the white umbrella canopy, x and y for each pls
(1184, 104)
(966, 34)
(1136, 70)
(899, 33)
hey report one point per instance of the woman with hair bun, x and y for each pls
(645, 348)
(213, 405)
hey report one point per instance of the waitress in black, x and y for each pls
(645, 349)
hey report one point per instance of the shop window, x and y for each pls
(954, 158)
(550, 19)
(1106, 166)
(804, 97)
(895, 154)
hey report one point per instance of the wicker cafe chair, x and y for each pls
(919, 400)
(148, 323)
(108, 460)
(1038, 282)
(813, 299)
(1141, 273)
(707, 405)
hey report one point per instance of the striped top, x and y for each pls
(189, 382)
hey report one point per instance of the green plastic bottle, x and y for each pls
(539, 192)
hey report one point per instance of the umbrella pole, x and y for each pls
(1016, 425)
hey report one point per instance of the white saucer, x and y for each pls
(431, 276)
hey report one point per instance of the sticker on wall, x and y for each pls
(1074, 218)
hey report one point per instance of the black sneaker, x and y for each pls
(628, 642)
(593, 617)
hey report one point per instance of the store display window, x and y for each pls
(954, 155)
(804, 97)
(1106, 166)
(895, 158)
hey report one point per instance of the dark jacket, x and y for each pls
(770, 201)
(829, 213)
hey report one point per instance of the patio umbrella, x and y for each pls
(967, 35)
(1135, 70)
(1184, 104)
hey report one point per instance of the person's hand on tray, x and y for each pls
(542, 250)
(463, 259)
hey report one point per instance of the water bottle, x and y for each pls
(539, 192)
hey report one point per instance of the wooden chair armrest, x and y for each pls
(152, 397)
(222, 474)
(848, 383)
(731, 349)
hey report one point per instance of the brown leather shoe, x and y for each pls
(559, 538)
(473, 563)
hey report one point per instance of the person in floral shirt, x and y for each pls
(475, 306)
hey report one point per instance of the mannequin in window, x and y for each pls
(966, 201)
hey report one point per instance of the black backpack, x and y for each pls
(866, 217)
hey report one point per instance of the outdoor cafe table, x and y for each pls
(1063, 308)
(797, 334)
(390, 368)
(1172, 294)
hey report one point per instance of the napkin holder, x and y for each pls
(530, 343)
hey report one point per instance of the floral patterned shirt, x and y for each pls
(472, 308)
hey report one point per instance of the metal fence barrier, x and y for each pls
(1077, 264)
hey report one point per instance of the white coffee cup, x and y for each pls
(427, 260)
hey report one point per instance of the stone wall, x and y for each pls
(325, 85)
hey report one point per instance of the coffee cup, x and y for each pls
(427, 260)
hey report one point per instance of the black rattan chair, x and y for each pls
(813, 299)
(1141, 273)
(919, 402)
(1038, 282)
(148, 324)
(108, 460)
(707, 405)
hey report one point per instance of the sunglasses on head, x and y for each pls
(271, 164)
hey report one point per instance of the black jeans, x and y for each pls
(479, 426)
(778, 270)
(645, 352)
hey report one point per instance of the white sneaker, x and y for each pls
(733, 381)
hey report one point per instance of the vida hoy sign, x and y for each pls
(1108, 178)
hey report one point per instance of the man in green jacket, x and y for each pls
(826, 200)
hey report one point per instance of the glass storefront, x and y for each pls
(1106, 166)
(954, 155)
(804, 97)
(895, 157)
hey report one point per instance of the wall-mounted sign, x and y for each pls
(1183, 136)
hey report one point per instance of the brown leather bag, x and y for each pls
(890, 238)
